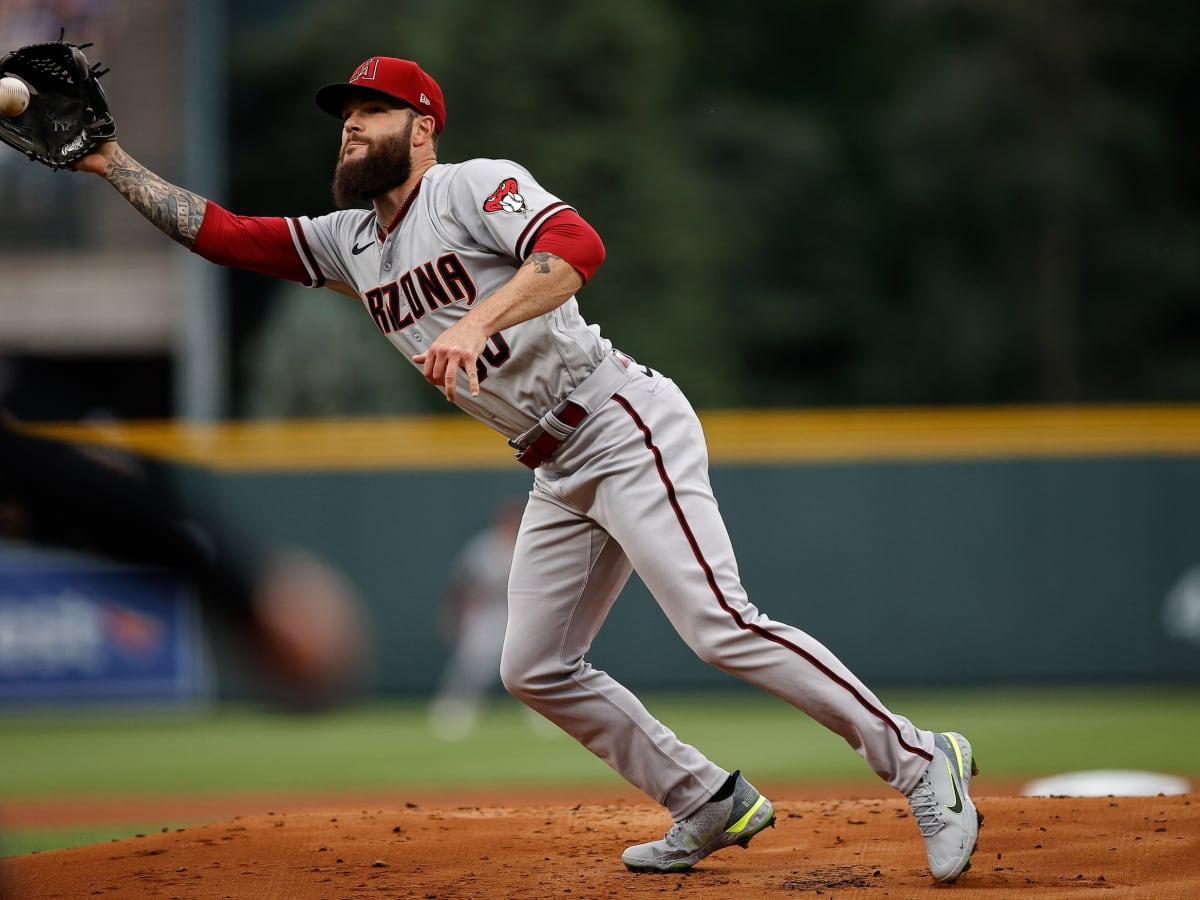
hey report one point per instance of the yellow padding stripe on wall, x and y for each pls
(953, 434)
(735, 437)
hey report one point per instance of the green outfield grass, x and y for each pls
(1018, 733)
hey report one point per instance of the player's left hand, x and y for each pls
(458, 347)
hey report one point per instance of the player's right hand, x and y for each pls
(456, 348)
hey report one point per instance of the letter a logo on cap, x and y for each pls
(365, 72)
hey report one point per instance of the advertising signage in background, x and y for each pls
(75, 630)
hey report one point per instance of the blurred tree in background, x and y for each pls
(828, 202)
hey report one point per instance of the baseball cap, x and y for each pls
(399, 79)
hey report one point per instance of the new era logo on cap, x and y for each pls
(400, 79)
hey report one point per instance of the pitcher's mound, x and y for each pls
(1146, 847)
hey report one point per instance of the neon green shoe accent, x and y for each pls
(741, 823)
(957, 753)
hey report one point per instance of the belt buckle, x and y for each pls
(526, 453)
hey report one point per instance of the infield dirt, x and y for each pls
(535, 845)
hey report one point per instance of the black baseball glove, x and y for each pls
(67, 114)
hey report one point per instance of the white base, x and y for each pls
(1106, 783)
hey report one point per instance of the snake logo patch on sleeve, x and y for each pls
(506, 198)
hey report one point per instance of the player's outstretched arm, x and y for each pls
(175, 212)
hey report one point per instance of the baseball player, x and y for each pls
(471, 271)
(473, 615)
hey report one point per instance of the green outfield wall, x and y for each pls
(922, 547)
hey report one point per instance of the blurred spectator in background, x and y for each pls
(299, 621)
(473, 616)
(1181, 608)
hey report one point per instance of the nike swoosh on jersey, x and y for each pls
(357, 249)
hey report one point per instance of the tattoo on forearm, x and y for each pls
(540, 260)
(175, 212)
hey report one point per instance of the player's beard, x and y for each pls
(385, 165)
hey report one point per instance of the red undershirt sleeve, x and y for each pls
(269, 244)
(265, 244)
(567, 235)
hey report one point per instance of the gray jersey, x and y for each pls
(461, 235)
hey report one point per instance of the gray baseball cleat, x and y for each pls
(943, 809)
(715, 825)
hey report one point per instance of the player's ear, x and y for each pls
(424, 131)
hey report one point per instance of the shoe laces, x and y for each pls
(677, 836)
(925, 808)
(699, 827)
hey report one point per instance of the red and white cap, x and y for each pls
(398, 79)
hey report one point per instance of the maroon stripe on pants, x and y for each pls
(733, 614)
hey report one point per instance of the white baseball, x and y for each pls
(14, 96)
